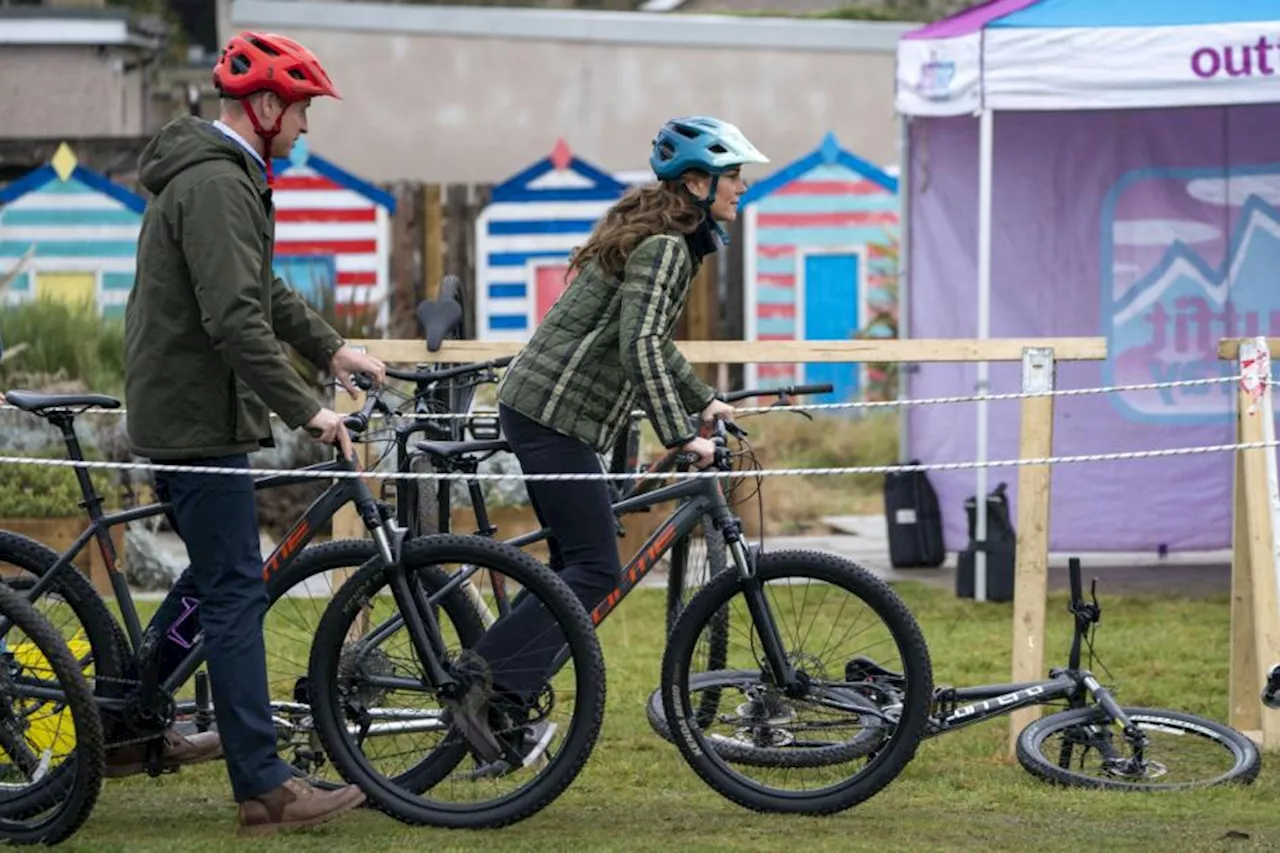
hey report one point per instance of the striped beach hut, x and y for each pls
(77, 231)
(333, 233)
(814, 259)
(524, 237)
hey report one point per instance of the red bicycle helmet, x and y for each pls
(252, 62)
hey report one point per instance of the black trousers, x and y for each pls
(520, 647)
(216, 517)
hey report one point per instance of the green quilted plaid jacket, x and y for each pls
(606, 345)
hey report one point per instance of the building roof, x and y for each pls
(64, 167)
(827, 153)
(303, 156)
(76, 25)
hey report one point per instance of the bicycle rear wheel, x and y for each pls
(437, 776)
(1089, 739)
(33, 729)
(838, 741)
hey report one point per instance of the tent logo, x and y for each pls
(1236, 61)
(936, 76)
(1189, 257)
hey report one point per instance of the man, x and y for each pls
(204, 367)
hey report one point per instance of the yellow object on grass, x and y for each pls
(48, 729)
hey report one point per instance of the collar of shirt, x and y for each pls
(241, 140)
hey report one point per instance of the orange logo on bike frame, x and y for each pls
(286, 548)
(640, 566)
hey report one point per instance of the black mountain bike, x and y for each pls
(47, 722)
(772, 640)
(1094, 742)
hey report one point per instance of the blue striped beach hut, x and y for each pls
(814, 237)
(525, 235)
(80, 230)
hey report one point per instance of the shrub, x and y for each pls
(44, 491)
(63, 342)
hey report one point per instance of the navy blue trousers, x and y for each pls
(217, 520)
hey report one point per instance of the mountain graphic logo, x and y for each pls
(1167, 324)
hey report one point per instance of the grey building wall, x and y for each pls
(70, 90)
(474, 94)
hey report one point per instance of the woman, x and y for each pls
(604, 346)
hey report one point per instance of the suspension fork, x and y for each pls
(1113, 709)
(775, 651)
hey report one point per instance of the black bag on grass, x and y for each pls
(914, 519)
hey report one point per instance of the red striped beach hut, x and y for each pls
(333, 234)
(815, 261)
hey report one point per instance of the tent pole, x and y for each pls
(904, 271)
(986, 145)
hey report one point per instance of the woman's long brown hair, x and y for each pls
(661, 208)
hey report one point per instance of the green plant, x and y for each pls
(64, 342)
(46, 491)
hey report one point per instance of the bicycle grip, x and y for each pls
(819, 388)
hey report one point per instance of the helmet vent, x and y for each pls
(264, 47)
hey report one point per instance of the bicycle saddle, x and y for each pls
(439, 318)
(37, 403)
(448, 449)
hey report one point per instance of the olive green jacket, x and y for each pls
(204, 365)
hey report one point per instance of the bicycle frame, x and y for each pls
(1071, 683)
(699, 497)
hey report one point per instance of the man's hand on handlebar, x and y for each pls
(326, 427)
(347, 361)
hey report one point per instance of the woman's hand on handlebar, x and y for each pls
(703, 449)
(717, 409)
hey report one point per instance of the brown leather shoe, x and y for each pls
(179, 751)
(294, 805)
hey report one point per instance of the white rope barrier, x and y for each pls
(639, 475)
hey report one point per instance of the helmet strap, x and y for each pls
(705, 204)
(267, 136)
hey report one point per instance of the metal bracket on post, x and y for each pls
(1038, 369)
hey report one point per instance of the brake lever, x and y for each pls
(783, 401)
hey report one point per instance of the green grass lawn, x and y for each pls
(960, 793)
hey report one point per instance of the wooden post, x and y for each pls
(1031, 578)
(432, 240)
(1255, 563)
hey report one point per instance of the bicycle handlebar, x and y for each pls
(424, 376)
(784, 391)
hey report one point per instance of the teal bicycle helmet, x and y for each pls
(700, 142)
(705, 143)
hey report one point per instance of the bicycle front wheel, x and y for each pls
(1084, 748)
(827, 741)
(40, 736)
(418, 752)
